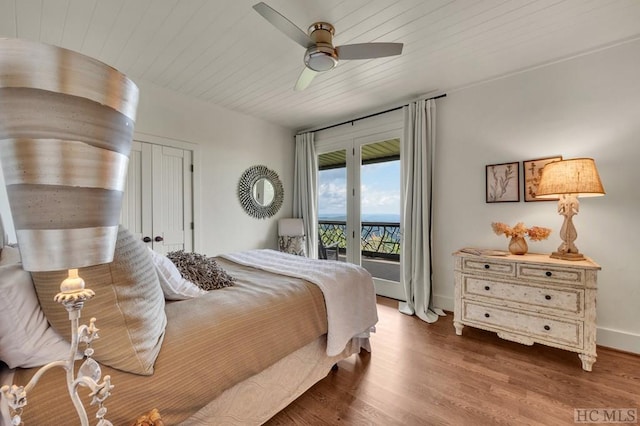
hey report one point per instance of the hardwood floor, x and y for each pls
(423, 374)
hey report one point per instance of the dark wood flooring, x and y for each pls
(423, 374)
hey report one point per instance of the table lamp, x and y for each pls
(569, 179)
(66, 125)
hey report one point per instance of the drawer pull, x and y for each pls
(486, 287)
(487, 266)
(548, 273)
(546, 327)
(548, 297)
(486, 315)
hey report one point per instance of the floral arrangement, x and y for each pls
(535, 233)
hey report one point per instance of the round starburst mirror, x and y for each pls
(260, 192)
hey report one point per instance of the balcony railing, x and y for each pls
(377, 239)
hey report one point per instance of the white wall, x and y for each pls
(228, 143)
(585, 107)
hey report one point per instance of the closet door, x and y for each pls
(172, 199)
(158, 200)
(136, 213)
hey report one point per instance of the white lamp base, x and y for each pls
(72, 295)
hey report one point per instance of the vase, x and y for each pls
(518, 245)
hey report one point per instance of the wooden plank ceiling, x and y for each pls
(378, 152)
(223, 52)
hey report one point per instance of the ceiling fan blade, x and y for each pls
(368, 50)
(305, 79)
(283, 24)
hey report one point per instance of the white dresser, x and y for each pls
(529, 299)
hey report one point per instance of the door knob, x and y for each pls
(158, 239)
(146, 239)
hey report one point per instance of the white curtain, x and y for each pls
(305, 204)
(418, 149)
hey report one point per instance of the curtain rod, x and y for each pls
(368, 116)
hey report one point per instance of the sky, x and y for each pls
(380, 190)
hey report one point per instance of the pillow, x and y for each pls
(26, 339)
(295, 244)
(9, 256)
(200, 270)
(128, 305)
(173, 285)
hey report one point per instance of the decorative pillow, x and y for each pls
(128, 306)
(26, 339)
(173, 285)
(293, 244)
(200, 270)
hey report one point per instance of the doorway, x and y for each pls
(359, 199)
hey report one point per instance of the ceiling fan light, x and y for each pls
(321, 55)
(321, 58)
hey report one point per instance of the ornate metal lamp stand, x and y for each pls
(72, 296)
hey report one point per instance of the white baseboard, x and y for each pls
(610, 338)
(617, 339)
(443, 302)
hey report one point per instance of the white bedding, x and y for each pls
(347, 288)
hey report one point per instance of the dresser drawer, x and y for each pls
(507, 269)
(537, 327)
(551, 273)
(535, 298)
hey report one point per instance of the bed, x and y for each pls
(234, 355)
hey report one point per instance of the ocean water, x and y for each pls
(380, 217)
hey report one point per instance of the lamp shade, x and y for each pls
(66, 125)
(577, 176)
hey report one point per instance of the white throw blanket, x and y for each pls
(348, 290)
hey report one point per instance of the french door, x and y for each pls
(359, 204)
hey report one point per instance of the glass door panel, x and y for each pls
(380, 208)
(332, 205)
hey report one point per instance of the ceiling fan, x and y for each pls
(321, 55)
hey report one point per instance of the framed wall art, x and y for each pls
(503, 185)
(532, 171)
